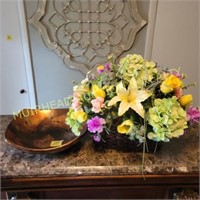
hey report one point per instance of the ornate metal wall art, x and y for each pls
(84, 32)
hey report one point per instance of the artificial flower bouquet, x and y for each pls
(135, 98)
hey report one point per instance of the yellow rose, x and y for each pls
(98, 92)
(79, 115)
(170, 83)
(186, 100)
(126, 127)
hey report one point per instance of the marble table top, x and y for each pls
(175, 157)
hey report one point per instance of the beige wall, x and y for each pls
(52, 78)
(176, 39)
(175, 44)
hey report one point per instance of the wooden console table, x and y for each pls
(83, 173)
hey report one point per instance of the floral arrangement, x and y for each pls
(136, 96)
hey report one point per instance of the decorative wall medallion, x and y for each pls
(84, 32)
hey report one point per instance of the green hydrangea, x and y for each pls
(74, 124)
(167, 118)
(135, 65)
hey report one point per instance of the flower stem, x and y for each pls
(143, 159)
(144, 144)
(155, 148)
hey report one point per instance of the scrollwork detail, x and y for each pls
(84, 33)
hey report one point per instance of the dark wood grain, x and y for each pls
(98, 187)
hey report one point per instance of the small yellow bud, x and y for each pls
(186, 100)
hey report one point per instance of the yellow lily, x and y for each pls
(130, 98)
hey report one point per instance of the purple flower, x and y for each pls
(103, 68)
(193, 115)
(97, 137)
(96, 124)
(107, 66)
(100, 69)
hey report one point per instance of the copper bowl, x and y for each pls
(41, 131)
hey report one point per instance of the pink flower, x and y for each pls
(193, 115)
(96, 124)
(178, 92)
(177, 74)
(76, 95)
(76, 104)
(97, 104)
